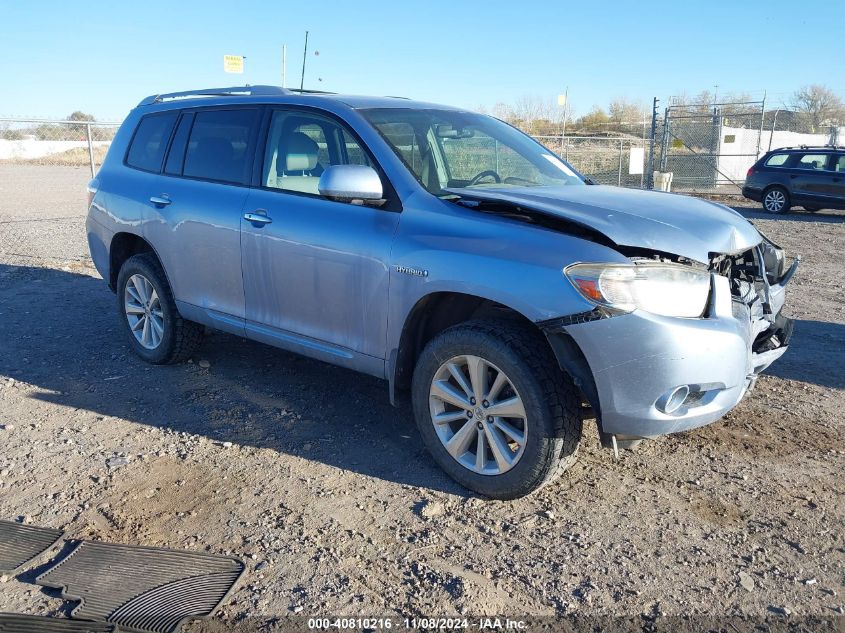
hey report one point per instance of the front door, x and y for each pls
(315, 270)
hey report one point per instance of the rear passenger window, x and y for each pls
(811, 161)
(150, 141)
(220, 145)
(777, 160)
(176, 155)
(839, 163)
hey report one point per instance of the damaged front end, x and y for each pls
(758, 278)
(649, 372)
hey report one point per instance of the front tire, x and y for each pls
(156, 331)
(494, 408)
(776, 200)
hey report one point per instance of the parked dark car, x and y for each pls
(811, 177)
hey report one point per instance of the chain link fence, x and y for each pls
(44, 167)
(709, 148)
(607, 160)
(706, 147)
(56, 143)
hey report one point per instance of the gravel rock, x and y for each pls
(431, 509)
(117, 462)
(746, 581)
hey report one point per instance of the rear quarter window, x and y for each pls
(777, 160)
(149, 143)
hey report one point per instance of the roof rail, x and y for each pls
(308, 91)
(826, 146)
(217, 92)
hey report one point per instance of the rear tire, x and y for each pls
(776, 200)
(156, 330)
(550, 429)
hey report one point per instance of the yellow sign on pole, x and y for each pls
(233, 64)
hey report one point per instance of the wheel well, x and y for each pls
(431, 315)
(776, 186)
(436, 312)
(123, 246)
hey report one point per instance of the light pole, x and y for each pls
(304, 55)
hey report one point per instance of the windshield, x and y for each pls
(445, 149)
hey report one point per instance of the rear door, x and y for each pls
(315, 268)
(809, 177)
(197, 210)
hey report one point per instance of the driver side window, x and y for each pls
(300, 146)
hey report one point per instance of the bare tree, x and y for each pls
(537, 115)
(503, 111)
(819, 104)
(623, 111)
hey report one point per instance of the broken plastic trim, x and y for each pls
(559, 324)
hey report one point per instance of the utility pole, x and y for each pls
(304, 55)
(284, 65)
(565, 106)
(650, 174)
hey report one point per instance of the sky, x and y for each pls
(104, 57)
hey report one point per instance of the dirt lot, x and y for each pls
(308, 473)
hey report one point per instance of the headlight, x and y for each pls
(665, 289)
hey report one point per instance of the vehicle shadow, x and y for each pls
(60, 333)
(823, 217)
(816, 355)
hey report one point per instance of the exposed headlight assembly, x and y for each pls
(665, 289)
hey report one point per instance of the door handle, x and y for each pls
(258, 217)
(161, 201)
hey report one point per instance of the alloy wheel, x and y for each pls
(478, 415)
(143, 311)
(775, 201)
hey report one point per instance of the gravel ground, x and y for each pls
(306, 472)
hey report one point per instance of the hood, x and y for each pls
(670, 223)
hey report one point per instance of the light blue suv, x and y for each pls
(445, 252)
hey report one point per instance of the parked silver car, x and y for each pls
(445, 252)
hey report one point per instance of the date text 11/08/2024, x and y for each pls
(425, 624)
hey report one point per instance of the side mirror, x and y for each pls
(358, 184)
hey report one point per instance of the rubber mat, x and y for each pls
(15, 623)
(142, 588)
(21, 543)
